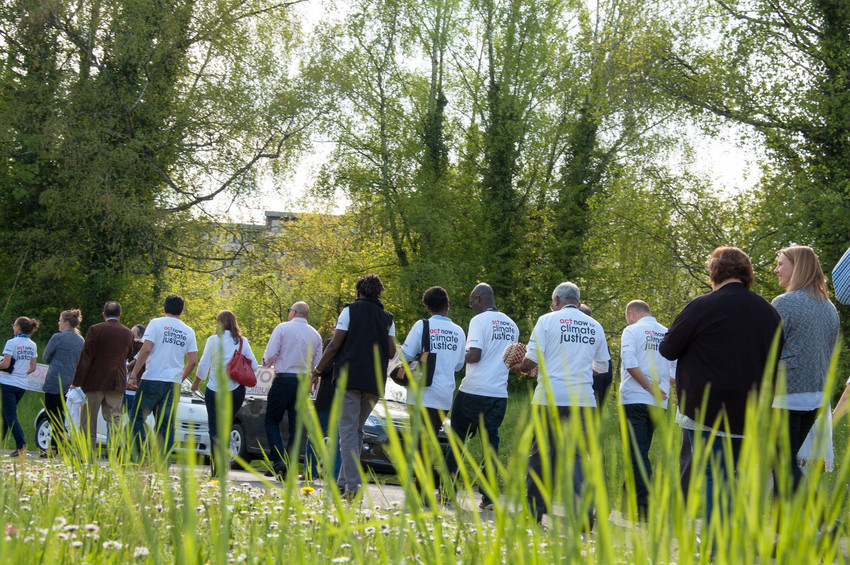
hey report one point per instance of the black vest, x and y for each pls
(368, 329)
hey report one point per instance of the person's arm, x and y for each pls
(204, 364)
(328, 355)
(191, 361)
(51, 348)
(83, 364)
(680, 334)
(141, 359)
(525, 367)
(7, 360)
(33, 365)
(272, 347)
(390, 347)
(473, 355)
(843, 406)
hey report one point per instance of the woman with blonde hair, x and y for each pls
(62, 354)
(218, 352)
(810, 328)
(19, 360)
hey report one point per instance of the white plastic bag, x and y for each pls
(820, 437)
(74, 401)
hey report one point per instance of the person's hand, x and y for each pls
(133, 383)
(195, 384)
(516, 368)
(314, 381)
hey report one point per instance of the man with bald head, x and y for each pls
(483, 392)
(294, 349)
(644, 386)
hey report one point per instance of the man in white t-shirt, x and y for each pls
(570, 347)
(168, 355)
(483, 392)
(644, 386)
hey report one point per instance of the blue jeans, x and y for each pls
(281, 400)
(11, 396)
(312, 458)
(237, 397)
(467, 412)
(156, 397)
(640, 422)
(718, 470)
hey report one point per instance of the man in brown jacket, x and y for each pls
(102, 371)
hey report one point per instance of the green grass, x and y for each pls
(71, 511)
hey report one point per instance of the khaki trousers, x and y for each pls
(109, 402)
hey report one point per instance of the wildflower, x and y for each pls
(76, 543)
(112, 544)
(307, 490)
(92, 528)
(341, 560)
(11, 530)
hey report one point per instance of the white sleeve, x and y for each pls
(628, 350)
(413, 342)
(391, 333)
(191, 345)
(249, 353)
(536, 336)
(461, 352)
(344, 320)
(206, 360)
(476, 334)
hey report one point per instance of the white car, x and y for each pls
(190, 427)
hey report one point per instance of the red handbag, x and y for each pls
(239, 368)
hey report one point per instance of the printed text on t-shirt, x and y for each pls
(174, 336)
(577, 331)
(443, 339)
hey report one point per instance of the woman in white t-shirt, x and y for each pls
(19, 359)
(448, 342)
(218, 352)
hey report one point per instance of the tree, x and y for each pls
(123, 118)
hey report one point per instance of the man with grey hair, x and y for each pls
(294, 349)
(571, 347)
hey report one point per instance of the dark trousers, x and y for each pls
(312, 457)
(56, 416)
(642, 426)
(433, 419)
(718, 471)
(601, 384)
(800, 423)
(536, 501)
(237, 396)
(281, 400)
(468, 412)
(156, 397)
(11, 397)
(686, 455)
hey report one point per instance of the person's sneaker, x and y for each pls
(19, 453)
(485, 505)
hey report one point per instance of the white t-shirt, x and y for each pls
(639, 348)
(345, 319)
(491, 332)
(447, 342)
(218, 351)
(172, 340)
(22, 349)
(571, 345)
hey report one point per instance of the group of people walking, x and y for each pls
(715, 352)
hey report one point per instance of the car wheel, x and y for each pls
(43, 433)
(238, 444)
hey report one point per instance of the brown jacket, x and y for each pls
(103, 361)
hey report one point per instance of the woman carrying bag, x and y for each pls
(218, 353)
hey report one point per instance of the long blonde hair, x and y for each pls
(807, 273)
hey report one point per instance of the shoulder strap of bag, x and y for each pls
(426, 336)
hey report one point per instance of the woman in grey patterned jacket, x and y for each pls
(810, 326)
(62, 353)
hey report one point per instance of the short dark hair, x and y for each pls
(173, 304)
(436, 299)
(730, 263)
(112, 309)
(369, 286)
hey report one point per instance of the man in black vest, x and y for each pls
(362, 328)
